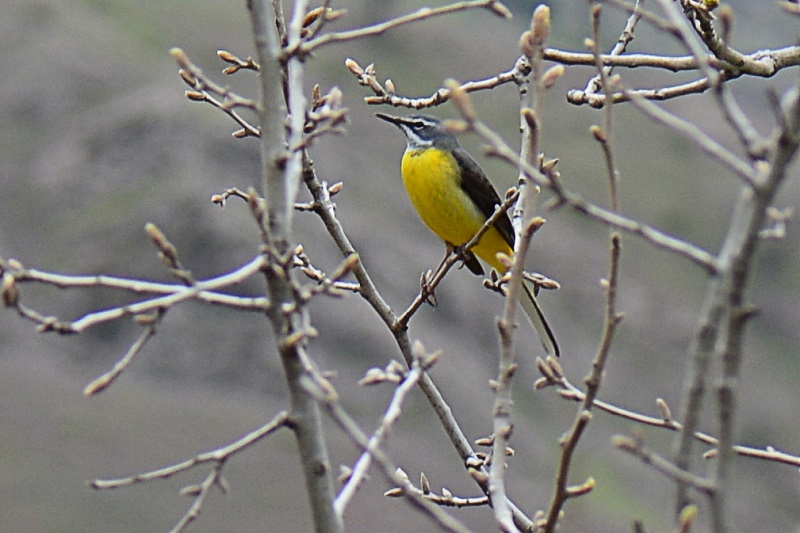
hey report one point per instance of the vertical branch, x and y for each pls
(729, 351)
(297, 105)
(602, 78)
(532, 44)
(612, 318)
(562, 491)
(281, 175)
(271, 116)
(721, 318)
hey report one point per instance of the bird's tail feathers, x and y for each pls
(535, 316)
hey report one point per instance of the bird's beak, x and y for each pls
(390, 118)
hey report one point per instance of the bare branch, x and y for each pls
(569, 443)
(371, 447)
(386, 93)
(571, 392)
(378, 438)
(101, 383)
(725, 296)
(173, 294)
(203, 90)
(635, 447)
(218, 456)
(494, 6)
(281, 80)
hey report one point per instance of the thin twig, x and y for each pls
(370, 446)
(377, 439)
(635, 447)
(568, 445)
(494, 6)
(173, 294)
(217, 456)
(102, 383)
(203, 89)
(200, 492)
(699, 138)
(571, 392)
(385, 93)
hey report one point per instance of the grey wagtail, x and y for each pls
(454, 198)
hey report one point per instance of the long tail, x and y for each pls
(536, 317)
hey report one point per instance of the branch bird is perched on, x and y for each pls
(454, 198)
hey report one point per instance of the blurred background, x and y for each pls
(96, 139)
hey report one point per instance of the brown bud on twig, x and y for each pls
(599, 133)
(227, 57)
(555, 367)
(328, 14)
(725, 15)
(529, 115)
(10, 291)
(478, 475)
(181, 58)
(552, 75)
(373, 376)
(485, 441)
(168, 252)
(424, 484)
(187, 78)
(336, 188)
(687, 518)
(545, 370)
(474, 462)
(430, 360)
(580, 490)
(540, 25)
(456, 127)
(312, 16)
(345, 473)
(663, 408)
(533, 225)
(547, 166)
(526, 44)
(353, 67)
(461, 99)
(195, 96)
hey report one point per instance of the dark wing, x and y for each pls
(478, 187)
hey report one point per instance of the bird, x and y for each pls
(454, 198)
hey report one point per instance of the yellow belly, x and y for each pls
(433, 187)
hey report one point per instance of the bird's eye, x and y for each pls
(417, 124)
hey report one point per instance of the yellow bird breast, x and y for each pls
(433, 185)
